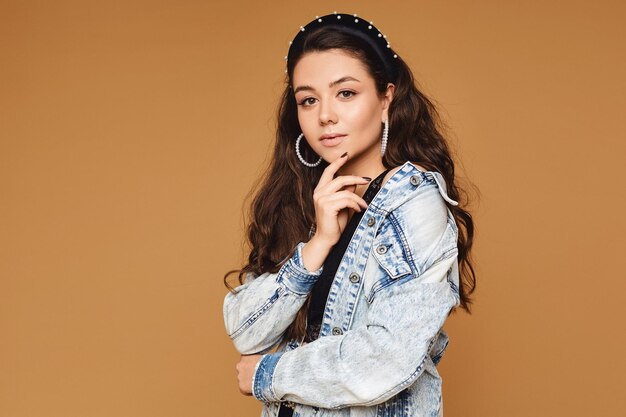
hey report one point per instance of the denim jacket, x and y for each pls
(381, 333)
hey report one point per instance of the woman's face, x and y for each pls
(339, 108)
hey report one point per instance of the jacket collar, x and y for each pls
(400, 188)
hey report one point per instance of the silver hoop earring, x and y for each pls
(309, 164)
(383, 145)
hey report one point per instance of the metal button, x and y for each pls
(415, 179)
(371, 221)
(354, 277)
(337, 331)
(381, 249)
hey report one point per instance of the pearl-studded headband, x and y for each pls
(354, 25)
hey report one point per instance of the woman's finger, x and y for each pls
(329, 201)
(329, 172)
(337, 204)
(343, 182)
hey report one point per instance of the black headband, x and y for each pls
(353, 25)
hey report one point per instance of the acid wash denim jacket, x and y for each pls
(381, 334)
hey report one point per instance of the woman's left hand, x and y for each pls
(245, 372)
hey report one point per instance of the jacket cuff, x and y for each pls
(262, 388)
(295, 276)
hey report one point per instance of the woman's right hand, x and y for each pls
(333, 198)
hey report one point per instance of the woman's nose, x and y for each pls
(327, 113)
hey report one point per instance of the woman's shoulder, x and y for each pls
(407, 185)
(419, 213)
(393, 170)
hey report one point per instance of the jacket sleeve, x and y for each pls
(258, 312)
(371, 363)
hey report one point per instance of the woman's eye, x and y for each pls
(346, 93)
(307, 101)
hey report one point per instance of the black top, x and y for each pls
(319, 293)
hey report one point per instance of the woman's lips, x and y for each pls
(334, 141)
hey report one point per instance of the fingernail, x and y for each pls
(344, 154)
(367, 178)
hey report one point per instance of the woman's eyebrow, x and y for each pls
(331, 85)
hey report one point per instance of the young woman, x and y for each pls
(360, 249)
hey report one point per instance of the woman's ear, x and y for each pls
(387, 99)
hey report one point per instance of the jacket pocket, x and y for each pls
(392, 265)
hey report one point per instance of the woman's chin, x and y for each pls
(329, 155)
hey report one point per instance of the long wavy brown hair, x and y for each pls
(282, 211)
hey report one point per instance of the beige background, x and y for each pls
(131, 132)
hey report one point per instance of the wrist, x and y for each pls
(262, 387)
(320, 243)
(314, 252)
(254, 372)
(295, 274)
